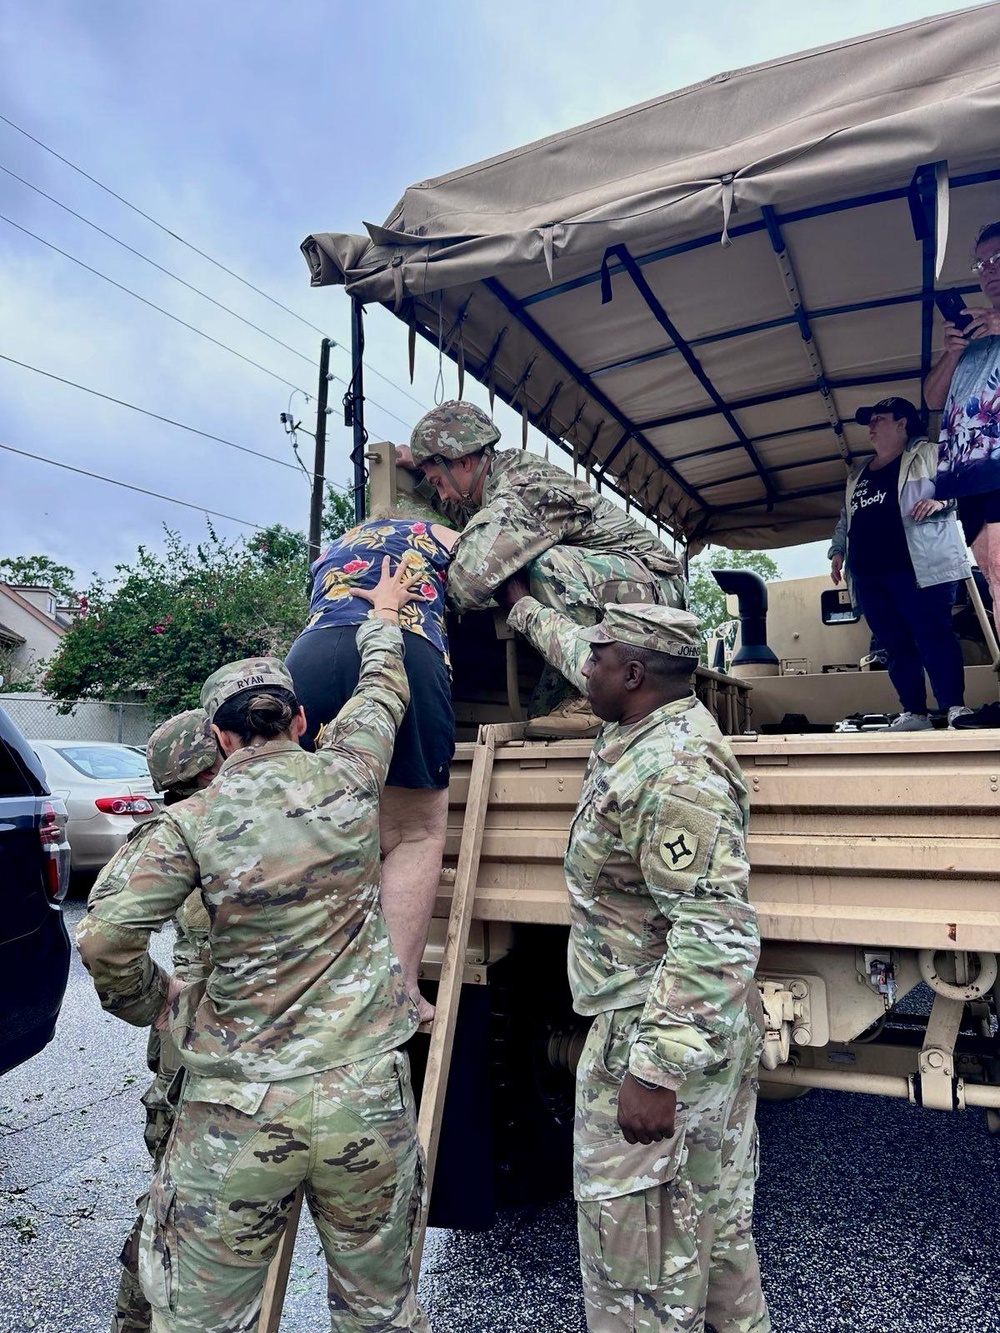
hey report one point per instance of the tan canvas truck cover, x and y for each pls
(696, 294)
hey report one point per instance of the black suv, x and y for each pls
(34, 876)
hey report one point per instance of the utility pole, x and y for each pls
(319, 463)
(354, 406)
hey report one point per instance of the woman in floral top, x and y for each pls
(324, 665)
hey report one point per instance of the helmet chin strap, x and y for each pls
(465, 492)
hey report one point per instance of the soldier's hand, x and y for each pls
(404, 458)
(511, 591)
(836, 565)
(645, 1115)
(395, 590)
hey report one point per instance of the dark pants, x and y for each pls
(325, 664)
(914, 627)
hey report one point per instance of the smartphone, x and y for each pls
(951, 304)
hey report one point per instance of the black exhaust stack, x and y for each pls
(751, 592)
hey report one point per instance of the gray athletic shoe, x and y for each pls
(912, 722)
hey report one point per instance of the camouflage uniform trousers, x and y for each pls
(581, 583)
(132, 1313)
(219, 1202)
(665, 1239)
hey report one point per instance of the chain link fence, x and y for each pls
(90, 720)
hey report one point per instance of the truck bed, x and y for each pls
(862, 838)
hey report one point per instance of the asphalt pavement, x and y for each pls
(872, 1216)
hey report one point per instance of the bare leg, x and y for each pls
(412, 826)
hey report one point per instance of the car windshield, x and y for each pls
(105, 761)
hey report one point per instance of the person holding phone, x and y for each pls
(900, 548)
(965, 382)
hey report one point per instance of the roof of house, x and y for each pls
(9, 635)
(48, 621)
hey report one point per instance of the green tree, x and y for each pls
(338, 514)
(167, 621)
(16, 677)
(705, 598)
(39, 571)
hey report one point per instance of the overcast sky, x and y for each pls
(242, 127)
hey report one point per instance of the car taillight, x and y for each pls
(52, 832)
(124, 805)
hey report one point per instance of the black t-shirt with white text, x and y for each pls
(876, 541)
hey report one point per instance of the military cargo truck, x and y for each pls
(691, 299)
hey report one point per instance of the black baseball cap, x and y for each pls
(894, 407)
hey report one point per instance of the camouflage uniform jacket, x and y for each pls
(530, 505)
(304, 976)
(120, 991)
(657, 874)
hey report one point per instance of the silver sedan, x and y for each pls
(107, 790)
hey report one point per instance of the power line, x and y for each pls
(176, 318)
(146, 259)
(152, 304)
(168, 421)
(136, 209)
(218, 264)
(113, 481)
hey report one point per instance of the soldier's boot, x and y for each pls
(570, 720)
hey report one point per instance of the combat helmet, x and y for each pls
(451, 431)
(180, 749)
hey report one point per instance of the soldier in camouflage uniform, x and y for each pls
(183, 758)
(581, 552)
(293, 1068)
(662, 955)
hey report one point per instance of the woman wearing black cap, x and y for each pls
(903, 553)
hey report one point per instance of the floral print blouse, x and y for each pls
(355, 561)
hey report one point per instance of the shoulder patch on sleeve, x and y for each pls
(683, 842)
(678, 848)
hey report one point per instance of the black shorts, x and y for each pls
(325, 664)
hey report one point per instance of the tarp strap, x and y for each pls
(544, 418)
(521, 388)
(570, 432)
(413, 344)
(728, 206)
(589, 452)
(439, 382)
(943, 207)
(930, 210)
(397, 283)
(488, 370)
(607, 293)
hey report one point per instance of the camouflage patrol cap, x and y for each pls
(181, 748)
(662, 629)
(452, 431)
(252, 673)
